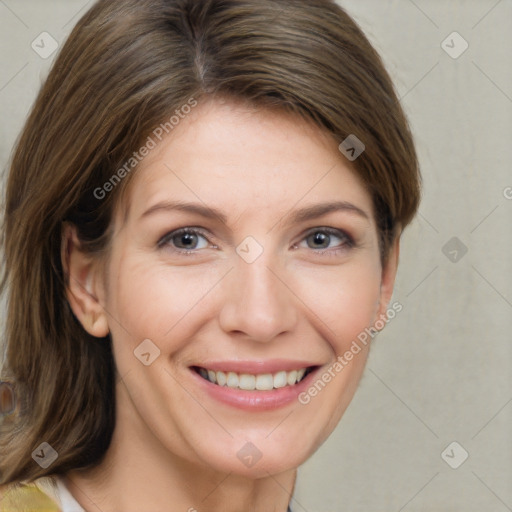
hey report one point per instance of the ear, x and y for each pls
(82, 284)
(388, 280)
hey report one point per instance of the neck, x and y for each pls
(135, 486)
(139, 473)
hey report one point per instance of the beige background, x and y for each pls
(441, 370)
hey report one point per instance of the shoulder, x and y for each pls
(22, 497)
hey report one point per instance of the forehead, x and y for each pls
(239, 159)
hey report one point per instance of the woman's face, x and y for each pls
(270, 285)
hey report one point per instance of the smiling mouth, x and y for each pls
(254, 382)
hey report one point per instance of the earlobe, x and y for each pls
(81, 281)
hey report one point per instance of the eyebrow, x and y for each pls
(304, 214)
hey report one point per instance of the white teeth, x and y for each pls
(291, 378)
(232, 380)
(280, 379)
(265, 382)
(221, 378)
(249, 382)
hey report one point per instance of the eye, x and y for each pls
(323, 238)
(184, 240)
(187, 241)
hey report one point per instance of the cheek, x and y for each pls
(159, 302)
(344, 298)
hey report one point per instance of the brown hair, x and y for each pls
(125, 68)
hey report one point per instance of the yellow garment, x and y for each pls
(26, 498)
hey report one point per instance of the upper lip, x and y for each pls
(255, 367)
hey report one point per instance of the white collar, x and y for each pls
(67, 502)
(55, 487)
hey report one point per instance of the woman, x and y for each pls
(203, 217)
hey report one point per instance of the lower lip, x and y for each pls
(255, 400)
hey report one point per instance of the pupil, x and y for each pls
(320, 238)
(187, 238)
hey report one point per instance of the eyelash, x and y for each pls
(347, 240)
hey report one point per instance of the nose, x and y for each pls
(258, 302)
